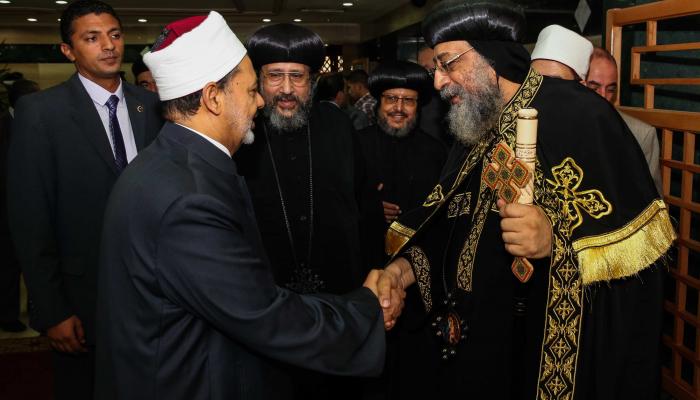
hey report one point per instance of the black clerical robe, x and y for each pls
(187, 303)
(587, 323)
(406, 167)
(319, 206)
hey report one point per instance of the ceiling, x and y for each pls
(160, 12)
(337, 24)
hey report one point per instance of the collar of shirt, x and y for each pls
(11, 111)
(210, 140)
(98, 94)
(365, 98)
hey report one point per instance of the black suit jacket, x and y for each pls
(187, 302)
(60, 172)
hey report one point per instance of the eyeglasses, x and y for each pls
(275, 78)
(407, 101)
(444, 66)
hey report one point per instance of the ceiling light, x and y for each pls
(61, 2)
(32, 19)
(267, 20)
(297, 19)
(59, 20)
(5, 2)
(348, 4)
(142, 20)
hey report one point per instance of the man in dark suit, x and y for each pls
(69, 145)
(187, 301)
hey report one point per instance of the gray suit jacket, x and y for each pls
(649, 142)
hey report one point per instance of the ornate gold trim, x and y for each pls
(434, 197)
(628, 250)
(567, 179)
(421, 268)
(396, 237)
(485, 199)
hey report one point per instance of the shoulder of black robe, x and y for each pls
(609, 206)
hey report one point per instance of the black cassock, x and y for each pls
(406, 167)
(587, 323)
(331, 211)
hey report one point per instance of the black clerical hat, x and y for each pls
(286, 43)
(400, 74)
(495, 30)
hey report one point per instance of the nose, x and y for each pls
(107, 43)
(441, 79)
(259, 102)
(287, 86)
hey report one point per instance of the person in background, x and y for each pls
(602, 78)
(432, 114)
(9, 271)
(301, 175)
(143, 76)
(69, 145)
(358, 92)
(330, 90)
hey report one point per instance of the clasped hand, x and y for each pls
(389, 285)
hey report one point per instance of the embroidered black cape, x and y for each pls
(587, 324)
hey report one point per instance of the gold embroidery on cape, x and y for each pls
(506, 133)
(567, 178)
(434, 197)
(396, 237)
(628, 250)
(562, 330)
(421, 267)
(459, 205)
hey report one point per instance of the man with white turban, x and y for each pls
(188, 305)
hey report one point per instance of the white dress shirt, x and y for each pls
(210, 140)
(99, 96)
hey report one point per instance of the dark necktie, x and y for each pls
(116, 132)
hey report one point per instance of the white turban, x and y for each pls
(567, 47)
(191, 53)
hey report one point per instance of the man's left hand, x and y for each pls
(526, 230)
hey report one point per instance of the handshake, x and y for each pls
(389, 285)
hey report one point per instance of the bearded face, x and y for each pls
(467, 82)
(398, 110)
(286, 89)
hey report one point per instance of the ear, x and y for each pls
(213, 98)
(67, 51)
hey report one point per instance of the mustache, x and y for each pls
(397, 113)
(450, 91)
(285, 97)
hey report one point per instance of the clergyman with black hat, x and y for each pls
(584, 323)
(401, 161)
(188, 306)
(300, 172)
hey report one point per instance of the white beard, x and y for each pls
(249, 137)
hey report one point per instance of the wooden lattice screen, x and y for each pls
(680, 169)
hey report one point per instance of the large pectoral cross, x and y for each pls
(510, 174)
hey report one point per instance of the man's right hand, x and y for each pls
(392, 286)
(68, 336)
